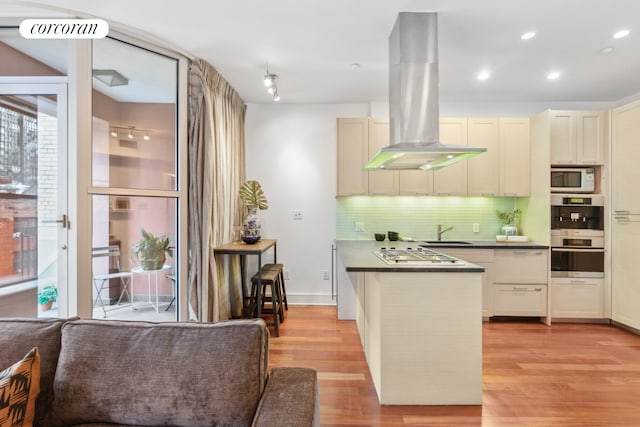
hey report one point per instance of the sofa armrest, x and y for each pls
(289, 399)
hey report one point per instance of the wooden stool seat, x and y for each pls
(283, 291)
(268, 278)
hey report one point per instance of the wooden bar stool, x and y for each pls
(269, 278)
(283, 291)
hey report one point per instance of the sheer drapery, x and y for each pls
(216, 171)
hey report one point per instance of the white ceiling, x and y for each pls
(311, 44)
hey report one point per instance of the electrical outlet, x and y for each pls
(286, 275)
(325, 275)
(359, 226)
(476, 227)
(297, 215)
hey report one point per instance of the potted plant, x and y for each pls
(509, 220)
(47, 296)
(151, 250)
(253, 197)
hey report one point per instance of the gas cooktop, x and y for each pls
(418, 256)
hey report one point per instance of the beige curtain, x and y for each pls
(216, 172)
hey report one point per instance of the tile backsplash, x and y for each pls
(418, 216)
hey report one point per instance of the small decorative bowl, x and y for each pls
(393, 235)
(380, 237)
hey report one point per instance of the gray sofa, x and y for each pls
(116, 373)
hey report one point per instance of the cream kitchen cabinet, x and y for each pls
(452, 180)
(503, 170)
(625, 208)
(581, 298)
(577, 137)
(484, 258)
(483, 171)
(514, 157)
(520, 279)
(353, 155)
(625, 152)
(381, 182)
(416, 183)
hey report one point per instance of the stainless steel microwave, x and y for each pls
(573, 180)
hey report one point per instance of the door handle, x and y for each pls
(64, 221)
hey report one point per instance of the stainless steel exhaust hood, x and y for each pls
(413, 99)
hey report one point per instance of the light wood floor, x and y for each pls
(533, 375)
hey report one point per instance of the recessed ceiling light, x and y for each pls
(483, 75)
(620, 34)
(355, 66)
(606, 50)
(528, 35)
(554, 75)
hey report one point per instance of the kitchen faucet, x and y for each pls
(441, 231)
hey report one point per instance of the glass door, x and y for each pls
(135, 197)
(33, 199)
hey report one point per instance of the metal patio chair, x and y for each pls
(101, 280)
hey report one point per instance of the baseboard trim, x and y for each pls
(310, 299)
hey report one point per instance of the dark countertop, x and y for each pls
(479, 244)
(357, 254)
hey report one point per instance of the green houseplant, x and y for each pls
(253, 197)
(509, 221)
(151, 250)
(47, 296)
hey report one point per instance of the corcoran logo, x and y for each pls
(64, 28)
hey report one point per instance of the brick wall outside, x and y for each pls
(7, 245)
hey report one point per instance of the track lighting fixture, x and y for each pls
(270, 84)
(130, 132)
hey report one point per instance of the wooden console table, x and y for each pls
(244, 249)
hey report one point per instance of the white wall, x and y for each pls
(291, 151)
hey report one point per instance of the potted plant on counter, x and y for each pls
(253, 197)
(151, 250)
(47, 296)
(509, 220)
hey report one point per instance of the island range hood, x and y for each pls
(413, 99)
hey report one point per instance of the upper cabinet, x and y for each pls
(353, 155)
(381, 182)
(483, 171)
(577, 137)
(515, 156)
(625, 152)
(452, 180)
(503, 170)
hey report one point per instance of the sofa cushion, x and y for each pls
(17, 337)
(19, 387)
(178, 374)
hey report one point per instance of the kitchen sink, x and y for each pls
(446, 242)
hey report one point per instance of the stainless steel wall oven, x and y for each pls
(577, 236)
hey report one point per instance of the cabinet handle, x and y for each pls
(577, 281)
(622, 218)
(621, 212)
(538, 289)
(510, 194)
(488, 194)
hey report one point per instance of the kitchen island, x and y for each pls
(420, 325)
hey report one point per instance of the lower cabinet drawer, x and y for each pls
(577, 298)
(519, 300)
